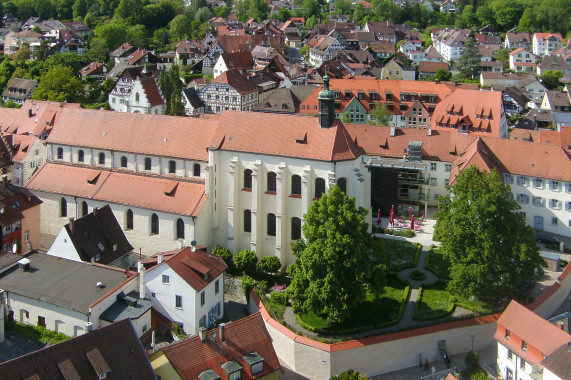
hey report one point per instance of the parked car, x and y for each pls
(546, 239)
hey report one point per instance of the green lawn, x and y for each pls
(434, 302)
(476, 306)
(437, 264)
(401, 254)
(373, 313)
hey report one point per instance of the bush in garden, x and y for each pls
(270, 264)
(246, 260)
(225, 254)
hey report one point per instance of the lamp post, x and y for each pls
(472, 336)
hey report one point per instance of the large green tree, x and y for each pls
(550, 79)
(59, 84)
(469, 61)
(335, 265)
(491, 249)
(171, 87)
(380, 115)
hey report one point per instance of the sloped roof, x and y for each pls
(282, 100)
(153, 193)
(98, 234)
(236, 81)
(528, 326)
(197, 268)
(247, 42)
(279, 135)
(191, 357)
(152, 91)
(14, 200)
(159, 135)
(115, 347)
(559, 361)
(22, 145)
(431, 67)
(239, 60)
(193, 98)
(91, 68)
(19, 88)
(34, 117)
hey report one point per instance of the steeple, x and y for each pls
(326, 100)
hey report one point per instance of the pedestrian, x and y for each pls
(420, 360)
(426, 365)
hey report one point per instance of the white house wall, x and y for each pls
(63, 247)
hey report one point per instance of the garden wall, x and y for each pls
(391, 352)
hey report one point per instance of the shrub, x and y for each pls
(472, 362)
(270, 264)
(417, 275)
(247, 285)
(349, 375)
(225, 254)
(278, 298)
(177, 330)
(246, 260)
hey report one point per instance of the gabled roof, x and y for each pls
(152, 91)
(87, 70)
(197, 268)
(247, 42)
(98, 234)
(193, 98)
(554, 62)
(19, 88)
(22, 146)
(236, 81)
(14, 200)
(152, 193)
(431, 67)
(245, 336)
(279, 135)
(559, 361)
(122, 50)
(159, 135)
(114, 348)
(432, 53)
(34, 117)
(238, 60)
(530, 327)
(282, 100)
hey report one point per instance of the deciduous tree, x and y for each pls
(59, 84)
(469, 61)
(334, 262)
(491, 249)
(550, 79)
(380, 115)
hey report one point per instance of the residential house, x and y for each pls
(29, 153)
(380, 49)
(73, 298)
(94, 69)
(44, 25)
(107, 352)
(229, 91)
(121, 54)
(137, 91)
(281, 100)
(193, 105)
(164, 158)
(383, 30)
(522, 60)
(240, 61)
(428, 69)
(95, 237)
(449, 7)
(546, 43)
(61, 41)
(554, 63)
(187, 286)
(241, 349)
(450, 43)
(19, 218)
(141, 57)
(472, 112)
(18, 90)
(432, 55)
(556, 101)
(396, 70)
(14, 40)
(507, 79)
(532, 88)
(78, 28)
(416, 56)
(188, 52)
(491, 66)
(524, 341)
(517, 40)
(11, 22)
(263, 56)
(407, 47)
(323, 51)
(556, 365)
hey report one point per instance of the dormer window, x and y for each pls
(233, 370)
(255, 363)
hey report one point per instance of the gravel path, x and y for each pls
(406, 322)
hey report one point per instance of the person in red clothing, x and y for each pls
(426, 365)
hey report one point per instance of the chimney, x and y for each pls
(221, 328)
(535, 123)
(5, 181)
(141, 270)
(160, 257)
(30, 113)
(430, 131)
(72, 226)
(202, 333)
(393, 130)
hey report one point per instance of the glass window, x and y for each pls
(129, 220)
(272, 181)
(80, 156)
(247, 221)
(217, 288)
(154, 224)
(433, 166)
(271, 228)
(148, 163)
(60, 153)
(196, 170)
(295, 228)
(101, 158)
(296, 185)
(166, 279)
(84, 209)
(202, 298)
(123, 161)
(179, 228)
(63, 207)
(178, 301)
(447, 168)
(247, 179)
(172, 167)
(319, 187)
(342, 183)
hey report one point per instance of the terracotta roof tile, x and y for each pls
(193, 266)
(559, 361)
(191, 357)
(276, 135)
(118, 187)
(34, 117)
(160, 135)
(152, 91)
(530, 327)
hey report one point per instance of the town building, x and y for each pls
(188, 52)
(193, 105)
(517, 40)
(522, 60)
(29, 153)
(18, 90)
(113, 350)
(137, 91)
(323, 51)
(240, 349)
(187, 286)
(546, 43)
(241, 62)
(229, 91)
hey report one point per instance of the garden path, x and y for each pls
(405, 323)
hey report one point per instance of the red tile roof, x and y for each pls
(34, 117)
(22, 145)
(154, 193)
(247, 335)
(236, 81)
(193, 266)
(279, 135)
(431, 67)
(152, 91)
(160, 135)
(523, 324)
